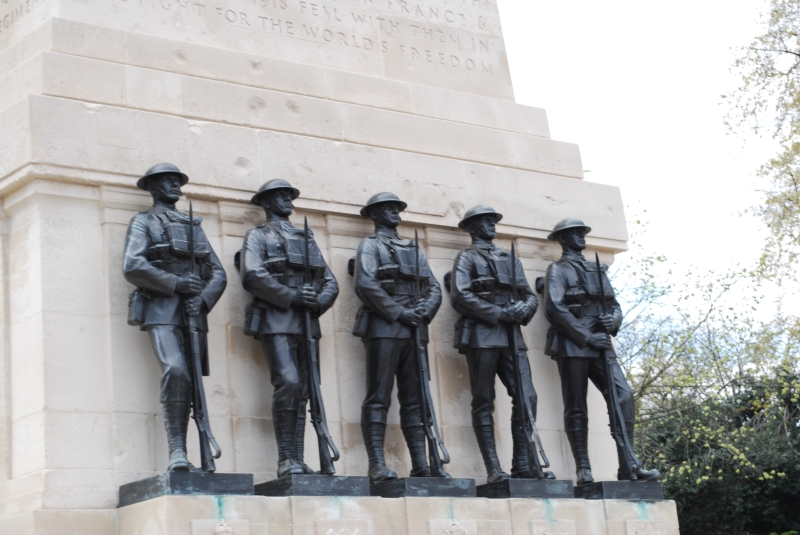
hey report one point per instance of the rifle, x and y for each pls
(427, 413)
(327, 449)
(196, 347)
(526, 411)
(615, 417)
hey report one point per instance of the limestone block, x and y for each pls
(520, 118)
(429, 136)
(465, 457)
(71, 349)
(78, 440)
(211, 62)
(554, 157)
(368, 90)
(88, 40)
(28, 446)
(325, 169)
(351, 366)
(260, 108)
(215, 527)
(27, 369)
(152, 90)
(254, 442)
(21, 82)
(85, 79)
(134, 440)
(26, 47)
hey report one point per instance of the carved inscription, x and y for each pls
(13, 11)
(447, 34)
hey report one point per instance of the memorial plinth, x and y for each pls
(344, 99)
(528, 488)
(315, 485)
(185, 484)
(414, 487)
(621, 490)
(258, 515)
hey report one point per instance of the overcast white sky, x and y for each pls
(638, 86)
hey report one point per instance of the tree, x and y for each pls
(717, 397)
(768, 99)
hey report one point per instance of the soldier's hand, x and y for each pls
(306, 297)
(422, 310)
(189, 284)
(194, 306)
(606, 322)
(520, 311)
(508, 314)
(410, 316)
(600, 341)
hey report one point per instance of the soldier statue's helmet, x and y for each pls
(272, 185)
(382, 198)
(566, 224)
(480, 210)
(158, 170)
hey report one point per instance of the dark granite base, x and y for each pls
(425, 486)
(528, 488)
(621, 490)
(185, 484)
(315, 485)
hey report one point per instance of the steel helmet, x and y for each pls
(272, 185)
(568, 223)
(161, 169)
(381, 198)
(481, 209)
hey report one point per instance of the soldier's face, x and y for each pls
(484, 227)
(387, 214)
(166, 188)
(574, 239)
(279, 202)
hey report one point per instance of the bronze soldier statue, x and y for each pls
(583, 314)
(481, 291)
(400, 297)
(283, 268)
(178, 280)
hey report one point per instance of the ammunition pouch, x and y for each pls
(178, 239)
(463, 336)
(161, 256)
(586, 310)
(253, 318)
(361, 327)
(137, 306)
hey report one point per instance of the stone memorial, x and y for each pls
(343, 99)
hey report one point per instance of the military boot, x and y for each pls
(374, 433)
(176, 421)
(579, 442)
(300, 443)
(485, 436)
(415, 440)
(636, 474)
(285, 425)
(520, 463)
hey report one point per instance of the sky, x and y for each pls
(637, 85)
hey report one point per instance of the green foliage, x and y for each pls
(718, 399)
(768, 98)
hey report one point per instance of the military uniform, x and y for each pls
(156, 255)
(573, 305)
(384, 282)
(272, 270)
(480, 288)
